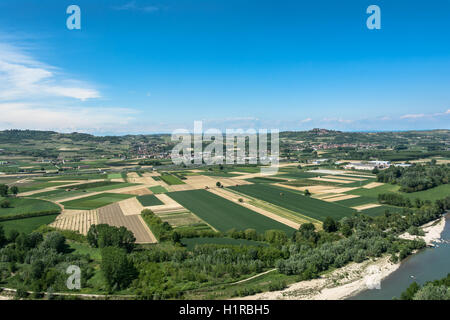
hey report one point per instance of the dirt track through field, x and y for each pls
(113, 215)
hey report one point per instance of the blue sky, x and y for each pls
(155, 66)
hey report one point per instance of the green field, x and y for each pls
(296, 202)
(264, 180)
(119, 185)
(58, 194)
(356, 201)
(91, 185)
(190, 243)
(171, 179)
(37, 185)
(297, 174)
(75, 177)
(27, 205)
(224, 215)
(95, 201)
(27, 225)
(98, 186)
(149, 200)
(439, 192)
(436, 193)
(158, 189)
(374, 192)
(114, 176)
(219, 174)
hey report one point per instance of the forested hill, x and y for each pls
(17, 136)
(386, 138)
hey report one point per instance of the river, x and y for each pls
(428, 264)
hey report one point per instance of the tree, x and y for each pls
(275, 236)
(2, 237)
(176, 237)
(432, 292)
(251, 234)
(3, 190)
(55, 240)
(329, 225)
(103, 235)
(307, 193)
(14, 190)
(410, 292)
(5, 204)
(346, 230)
(218, 184)
(117, 269)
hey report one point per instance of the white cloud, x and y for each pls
(132, 6)
(24, 78)
(412, 116)
(64, 119)
(306, 120)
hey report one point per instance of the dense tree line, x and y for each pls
(417, 177)
(165, 274)
(38, 262)
(360, 237)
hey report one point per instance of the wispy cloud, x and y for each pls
(133, 6)
(64, 119)
(413, 116)
(36, 95)
(23, 77)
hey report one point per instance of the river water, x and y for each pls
(426, 265)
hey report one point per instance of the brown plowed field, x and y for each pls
(114, 216)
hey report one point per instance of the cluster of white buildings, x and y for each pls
(370, 165)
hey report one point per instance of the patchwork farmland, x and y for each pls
(294, 201)
(225, 215)
(95, 201)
